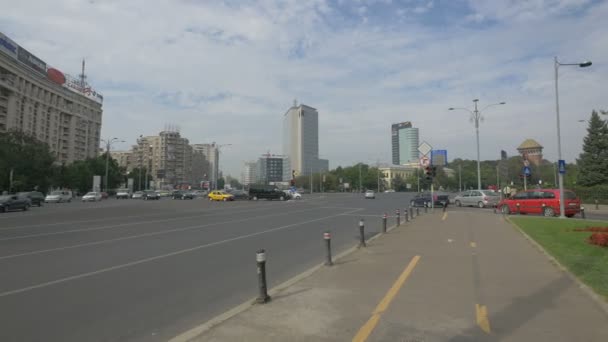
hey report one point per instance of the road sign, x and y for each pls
(439, 157)
(425, 161)
(527, 171)
(526, 162)
(425, 148)
(562, 166)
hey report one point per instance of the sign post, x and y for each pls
(425, 161)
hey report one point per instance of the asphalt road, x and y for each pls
(148, 270)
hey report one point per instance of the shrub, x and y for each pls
(600, 239)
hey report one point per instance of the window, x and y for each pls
(521, 196)
(548, 194)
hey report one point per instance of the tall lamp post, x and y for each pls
(216, 172)
(560, 176)
(108, 143)
(476, 117)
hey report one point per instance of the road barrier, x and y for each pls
(384, 223)
(361, 233)
(583, 212)
(417, 211)
(327, 238)
(517, 205)
(412, 213)
(398, 217)
(405, 216)
(260, 258)
(425, 209)
(445, 208)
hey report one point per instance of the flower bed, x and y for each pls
(599, 236)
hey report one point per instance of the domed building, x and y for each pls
(532, 149)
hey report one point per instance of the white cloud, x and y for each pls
(227, 72)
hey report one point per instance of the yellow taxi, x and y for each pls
(220, 196)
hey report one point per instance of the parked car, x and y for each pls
(123, 194)
(104, 195)
(163, 193)
(150, 195)
(181, 194)
(389, 190)
(58, 196)
(35, 197)
(220, 196)
(541, 201)
(138, 195)
(270, 192)
(425, 199)
(92, 197)
(370, 194)
(11, 202)
(477, 198)
(240, 194)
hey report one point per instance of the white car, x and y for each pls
(123, 193)
(370, 194)
(92, 197)
(58, 197)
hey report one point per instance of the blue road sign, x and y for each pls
(527, 171)
(562, 166)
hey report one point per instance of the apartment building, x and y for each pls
(167, 156)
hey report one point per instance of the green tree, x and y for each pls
(593, 161)
(220, 183)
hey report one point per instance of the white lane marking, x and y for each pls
(113, 218)
(114, 226)
(162, 256)
(129, 237)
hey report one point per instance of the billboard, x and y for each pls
(439, 157)
(8, 46)
(31, 61)
(75, 84)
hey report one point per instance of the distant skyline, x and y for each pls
(226, 70)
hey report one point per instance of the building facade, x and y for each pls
(41, 101)
(301, 138)
(530, 149)
(212, 155)
(390, 172)
(405, 142)
(270, 169)
(249, 174)
(124, 159)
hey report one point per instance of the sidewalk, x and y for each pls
(458, 277)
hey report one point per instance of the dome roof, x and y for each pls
(528, 144)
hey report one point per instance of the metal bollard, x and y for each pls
(405, 216)
(412, 213)
(361, 233)
(417, 211)
(425, 209)
(583, 212)
(384, 223)
(327, 238)
(517, 209)
(597, 205)
(445, 207)
(260, 257)
(398, 215)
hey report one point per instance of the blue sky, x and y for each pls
(227, 71)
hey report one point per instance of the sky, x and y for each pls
(227, 71)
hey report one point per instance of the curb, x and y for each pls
(196, 331)
(599, 300)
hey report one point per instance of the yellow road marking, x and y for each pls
(473, 244)
(369, 326)
(445, 216)
(482, 318)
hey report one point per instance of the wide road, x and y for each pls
(148, 270)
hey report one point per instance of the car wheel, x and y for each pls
(70, 200)
(282, 198)
(480, 204)
(3, 209)
(412, 204)
(255, 198)
(39, 204)
(548, 212)
(458, 204)
(225, 199)
(505, 209)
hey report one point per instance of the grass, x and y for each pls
(588, 262)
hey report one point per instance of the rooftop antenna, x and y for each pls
(83, 77)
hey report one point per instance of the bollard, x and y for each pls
(361, 233)
(260, 257)
(417, 211)
(327, 238)
(517, 209)
(398, 215)
(597, 205)
(425, 209)
(406, 217)
(445, 207)
(583, 212)
(384, 223)
(412, 213)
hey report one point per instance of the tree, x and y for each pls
(593, 161)
(221, 183)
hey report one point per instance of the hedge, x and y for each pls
(590, 194)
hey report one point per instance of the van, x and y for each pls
(260, 191)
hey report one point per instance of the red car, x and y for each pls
(541, 201)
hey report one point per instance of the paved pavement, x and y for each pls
(461, 276)
(148, 270)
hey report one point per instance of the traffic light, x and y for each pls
(429, 172)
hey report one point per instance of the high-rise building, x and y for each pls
(212, 154)
(41, 101)
(123, 159)
(249, 175)
(167, 157)
(200, 167)
(301, 138)
(270, 168)
(405, 141)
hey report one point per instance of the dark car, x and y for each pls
(266, 191)
(150, 195)
(239, 194)
(425, 199)
(12, 202)
(36, 198)
(181, 194)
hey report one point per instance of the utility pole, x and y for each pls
(360, 187)
(460, 177)
(311, 180)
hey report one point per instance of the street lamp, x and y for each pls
(557, 64)
(108, 143)
(475, 117)
(217, 163)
